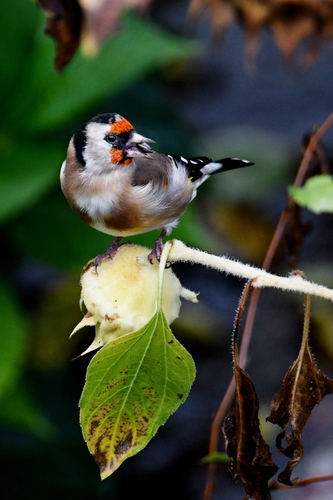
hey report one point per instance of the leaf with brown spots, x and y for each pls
(302, 388)
(250, 455)
(133, 385)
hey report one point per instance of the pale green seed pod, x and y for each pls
(120, 297)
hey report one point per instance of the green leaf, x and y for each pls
(138, 48)
(13, 339)
(316, 194)
(133, 385)
(217, 456)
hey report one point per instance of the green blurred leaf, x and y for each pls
(133, 385)
(18, 410)
(139, 47)
(18, 30)
(52, 232)
(27, 173)
(316, 194)
(13, 339)
(215, 457)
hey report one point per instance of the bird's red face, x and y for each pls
(120, 126)
(125, 142)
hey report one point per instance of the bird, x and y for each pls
(116, 182)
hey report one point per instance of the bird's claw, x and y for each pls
(157, 250)
(107, 255)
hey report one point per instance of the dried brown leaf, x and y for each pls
(253, 13)
(303, 387)
(250, 456)
(64, 23)
(85, 22)
(291, 22)
(221, 12)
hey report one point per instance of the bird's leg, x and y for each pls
(158, 248)
(109, 254)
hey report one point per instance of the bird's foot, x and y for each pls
(109, 254)
(158, 248)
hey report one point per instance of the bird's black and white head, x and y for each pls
(107, 140)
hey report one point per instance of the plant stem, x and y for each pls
(260, 277)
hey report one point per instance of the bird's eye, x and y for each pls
(110, 138)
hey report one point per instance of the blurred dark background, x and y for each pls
(194, 97)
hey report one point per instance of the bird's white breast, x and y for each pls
(100, 195)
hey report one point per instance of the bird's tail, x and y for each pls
(224, 165)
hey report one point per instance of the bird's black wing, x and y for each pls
(192, 165)
(195, 166)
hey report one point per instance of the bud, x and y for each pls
(121, 296)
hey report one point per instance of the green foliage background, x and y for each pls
(44, 245)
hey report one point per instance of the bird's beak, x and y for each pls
(137, 146)
(139, 139)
